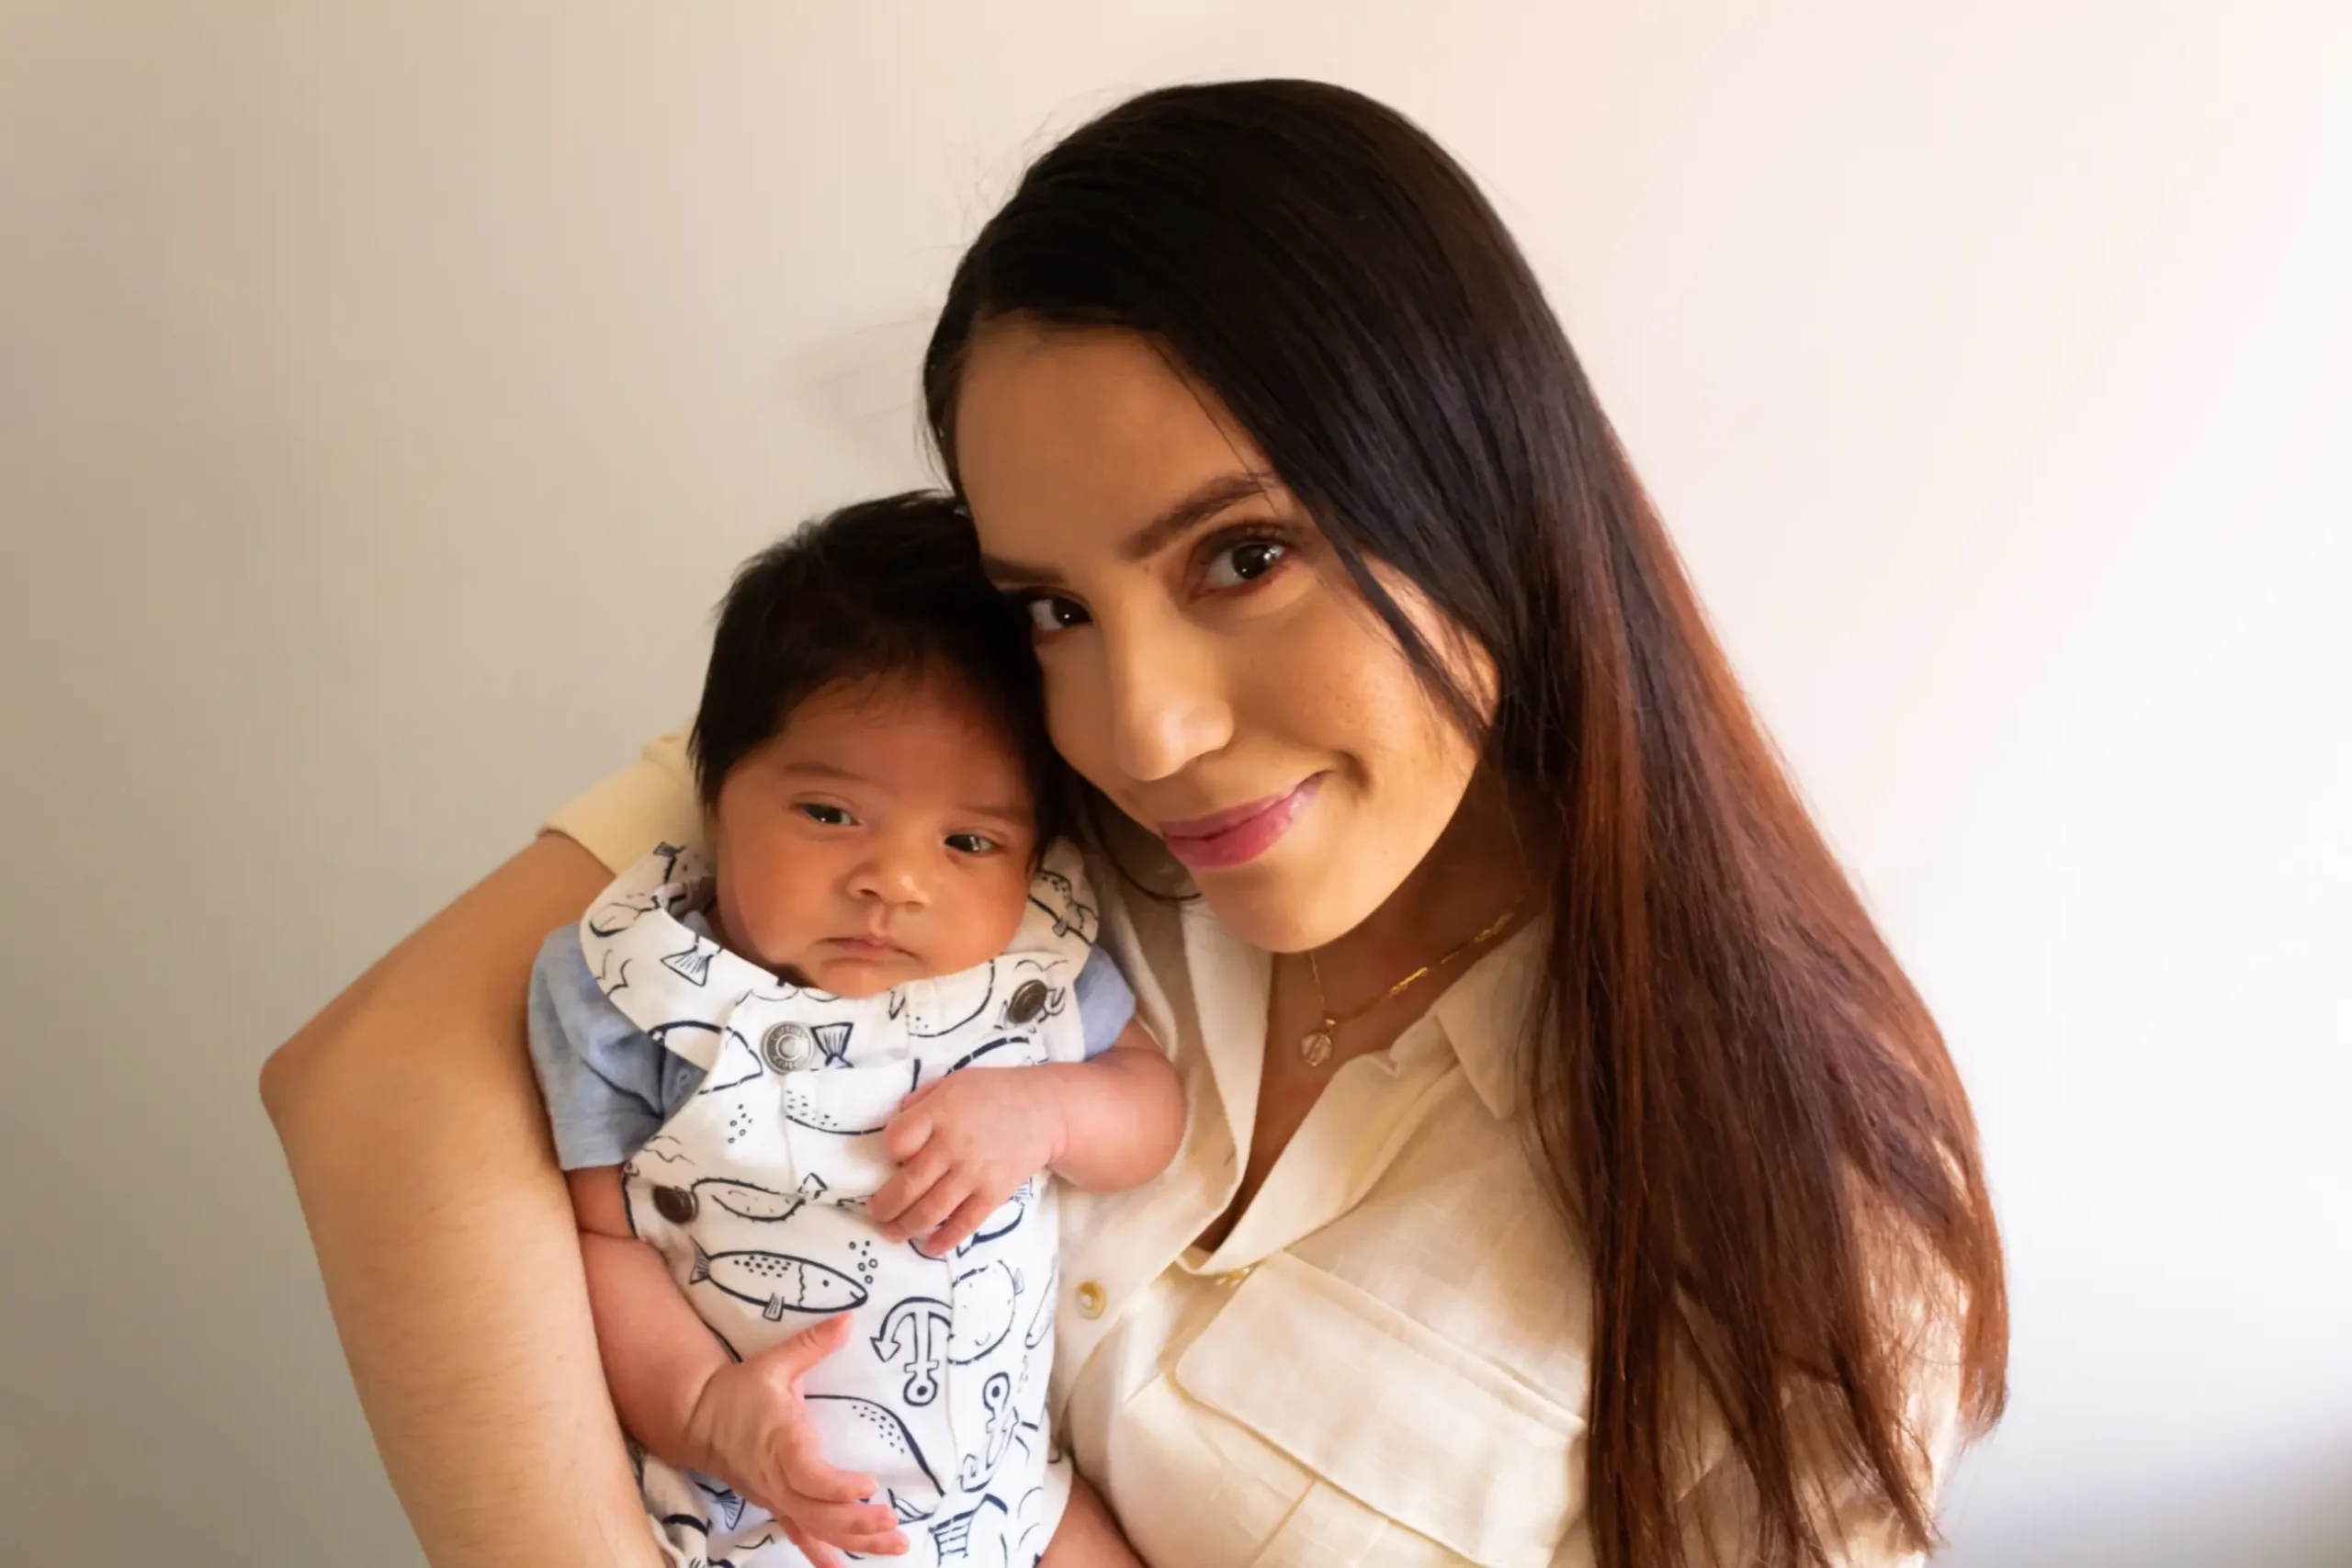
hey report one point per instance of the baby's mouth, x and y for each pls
(870, 947)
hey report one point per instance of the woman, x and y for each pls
(1573, 1175)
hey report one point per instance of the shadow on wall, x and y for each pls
(2299, 1517)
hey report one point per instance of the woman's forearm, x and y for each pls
(413, 1128)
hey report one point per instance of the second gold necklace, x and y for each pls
(1315, 1045)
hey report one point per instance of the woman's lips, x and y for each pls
(1240, 833)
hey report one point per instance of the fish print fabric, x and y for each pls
(754, 1194)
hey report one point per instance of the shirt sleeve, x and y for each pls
(1105, 1001)
(608, 1087)
(650, 802)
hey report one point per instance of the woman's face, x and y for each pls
(1208, 665)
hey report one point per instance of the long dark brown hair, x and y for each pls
(1747, 1114)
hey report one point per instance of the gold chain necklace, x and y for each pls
(1315, 1045)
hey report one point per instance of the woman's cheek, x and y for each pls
(1076, 720)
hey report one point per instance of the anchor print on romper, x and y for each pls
(996, 1397)
(1003, 1396)
(777, 1283)
(916, 1328)
(974, 1321)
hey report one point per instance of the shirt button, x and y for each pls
(789, 1047)
(1090, 1299)
(675, 1205)
(1027, 1002)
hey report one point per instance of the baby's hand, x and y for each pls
(964, 1143)
(750, 1429)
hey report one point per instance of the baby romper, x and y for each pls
(754, 1193)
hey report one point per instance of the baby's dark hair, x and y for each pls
(885, 588)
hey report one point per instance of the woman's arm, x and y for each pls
(414, 1129)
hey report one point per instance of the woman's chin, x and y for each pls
(1294, 898)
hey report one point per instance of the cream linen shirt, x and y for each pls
(1385, 1363)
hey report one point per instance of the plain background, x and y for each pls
(385, 392)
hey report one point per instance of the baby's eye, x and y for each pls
(1048, 615)
(831, 815)
(1245, 561)
(972, 844)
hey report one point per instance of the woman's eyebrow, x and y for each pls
(1204, 500)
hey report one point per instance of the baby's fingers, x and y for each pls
(961, 1226)
(908, 1131)
(895, 1196)
(928, 1212)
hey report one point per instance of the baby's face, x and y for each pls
(885, 836)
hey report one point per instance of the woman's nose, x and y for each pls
(1167, 700)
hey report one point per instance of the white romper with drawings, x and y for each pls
(754, 1193)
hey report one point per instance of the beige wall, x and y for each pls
(385, 392)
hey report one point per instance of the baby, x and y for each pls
(810, 1090)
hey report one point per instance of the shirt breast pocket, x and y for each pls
(1406, 1424)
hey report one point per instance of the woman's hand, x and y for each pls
(752, 1430)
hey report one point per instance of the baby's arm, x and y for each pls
(1121, 1112)
(964, 1142)
(680, 1394)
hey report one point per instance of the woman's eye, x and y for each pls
(1048, 615)
(971, 844)
(831, 815)
(1245, 562)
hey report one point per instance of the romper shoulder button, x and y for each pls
(1028, 1001)
(789, 1047)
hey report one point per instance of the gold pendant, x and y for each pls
(1315, 1047)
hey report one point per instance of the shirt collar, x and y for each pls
(1485, 1016)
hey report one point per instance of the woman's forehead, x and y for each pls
(1071, 440)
